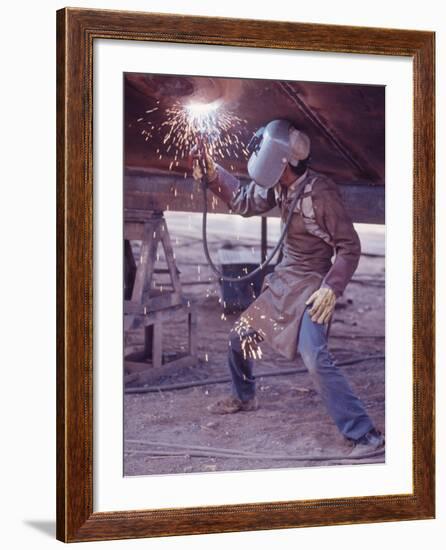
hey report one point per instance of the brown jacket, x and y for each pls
(320, 227)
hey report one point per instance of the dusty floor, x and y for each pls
(291, 419)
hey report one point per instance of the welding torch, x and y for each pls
(200, 155)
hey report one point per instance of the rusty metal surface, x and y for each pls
(345, 122)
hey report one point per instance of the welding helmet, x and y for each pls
(272, 148)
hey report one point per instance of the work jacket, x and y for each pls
(320, 230)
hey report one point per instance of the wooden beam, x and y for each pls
(144, 190)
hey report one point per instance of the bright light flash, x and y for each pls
(202, 109)
(203, 118)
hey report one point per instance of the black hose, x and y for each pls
(267, 261)
(223, 380)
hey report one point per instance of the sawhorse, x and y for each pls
(152, 305)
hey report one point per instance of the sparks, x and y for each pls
(249, 340)
(184, 124)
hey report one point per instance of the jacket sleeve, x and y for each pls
(246, 200)
(332, 216)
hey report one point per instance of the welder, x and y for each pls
(294, 309)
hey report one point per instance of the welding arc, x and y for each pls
(267, 260)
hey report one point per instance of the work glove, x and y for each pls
(323, 303)
(210, 166)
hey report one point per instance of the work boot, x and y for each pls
(231, 404)
(372, 441)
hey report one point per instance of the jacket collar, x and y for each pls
(291, 190)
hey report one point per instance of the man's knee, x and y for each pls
(315, 358)
(313, 348)
(234, 342)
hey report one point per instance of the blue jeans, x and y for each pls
(342, 405)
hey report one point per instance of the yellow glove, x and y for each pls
(323, 300)
(211, 167)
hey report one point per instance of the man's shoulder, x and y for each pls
(321, 183)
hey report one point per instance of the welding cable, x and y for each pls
(215, 454)
(218, 452)
(222, 380)
(267, 261)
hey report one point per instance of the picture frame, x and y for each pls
(77, 29)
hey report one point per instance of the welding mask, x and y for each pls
(272, 148)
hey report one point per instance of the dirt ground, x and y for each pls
(170, 431)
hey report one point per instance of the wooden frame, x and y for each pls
(76, 31)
